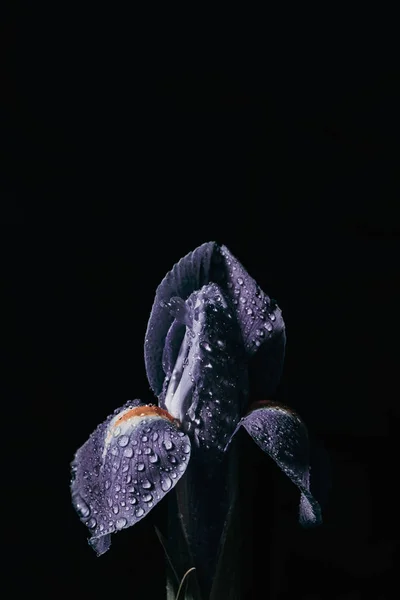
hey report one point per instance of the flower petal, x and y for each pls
(283, 435)
(126, 467)
(259, 317)
(188, 275)
(207, 387)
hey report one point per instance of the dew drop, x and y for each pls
(268, 326)
(139, 511)
(128, 452)
(249, 311)
(166, 484)
(206, 346)
(147, 450)
(240, 281)
(92, 523)
(120, 523)
(147, 497)
(155, 436)
(140, 467)
(132, 500)
(243, 300)
(117, 487)
(123, 441)
(107, 484)
(81, 506)
(153, 458)
(146, 484)
(145, 438)
(172, 459)
(168, 444)
(272, 317)
(115, 510)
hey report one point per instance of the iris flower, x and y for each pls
(209, 322)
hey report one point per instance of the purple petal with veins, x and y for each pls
(126, 467)
(281, 433)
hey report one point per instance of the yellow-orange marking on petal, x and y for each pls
(144, 411)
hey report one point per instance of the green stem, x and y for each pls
(194, 535)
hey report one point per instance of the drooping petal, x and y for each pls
(129, 463)
(281, 433)
(188, 275)
(207, 387)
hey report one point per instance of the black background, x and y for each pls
(129, 141)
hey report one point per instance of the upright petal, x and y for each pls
(259, 317)
(207, 386)
(126, 467)
(283, 435)
(188, 275)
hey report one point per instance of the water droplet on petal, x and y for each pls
(120, 523)
(139, 512)
(153, 458)
(240, 281)
(147, 497)
(128, 452)
(272, 317)
(249, 311)
(140, 467)
(185, 448)
(147, 450)
(155, 436)
(81, 506)
(107, 484)
(92, 523)
(146, 484)
(206, 346)
(115, 510)
(123, 441)
(166, 484)
(168, 444)
(145, 438)
(268, 326)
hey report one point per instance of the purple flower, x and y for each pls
(208, 320)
